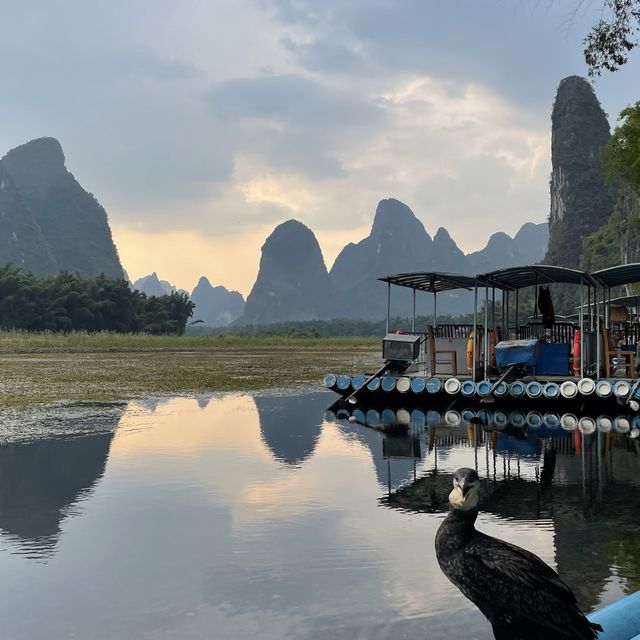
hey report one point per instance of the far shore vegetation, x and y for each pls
(78, 366)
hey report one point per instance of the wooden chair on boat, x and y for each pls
(608, 354)
(451, 356)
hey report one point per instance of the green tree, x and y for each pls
(621, 155)
(612, 38)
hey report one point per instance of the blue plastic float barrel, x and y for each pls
(534, 418)
(372, 418)
(517, 389)
(603, 388)
(635, 423)
(551, 390)
(467, 415)
(374, 384)
(344, 382)
(501, 390)
(500, 419)
(485, 415)
(388, 417)
(359, 416)
(330, 380)
(518, 419)
(342, 414)
(620, 620)
(483, 387)
(534, 389)
(357, 381)
(551, 419)
(433, 385)
(388, 383)
(418, 419)
(418, 385)
(433, 418)
(468, 388)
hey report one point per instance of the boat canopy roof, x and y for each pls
(617, 276)
(622, 301)
(431, 281)
(530, 275)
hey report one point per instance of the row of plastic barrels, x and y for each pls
(500, 419)
(468, 388)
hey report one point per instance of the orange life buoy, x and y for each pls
(576, 352)
(470, 342)
(492, 348)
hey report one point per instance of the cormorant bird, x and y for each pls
(521, 596)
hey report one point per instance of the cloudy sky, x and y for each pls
(202, 124)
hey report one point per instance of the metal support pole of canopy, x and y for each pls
(517, 316)
(435, 308)
(535, 298)
(597, 318)
(493, 309)
(581, 329)
(486, 332)
(388, 305)
(413, 322)
(475, 331)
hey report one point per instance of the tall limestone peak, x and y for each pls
(532, 240)
(21, 240)
(153, 286)
(394, 217)
(72, 221)
(580, 199)
(446, 255)
(292, 281)
(216, 306)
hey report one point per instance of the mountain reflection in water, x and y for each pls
(228, 516)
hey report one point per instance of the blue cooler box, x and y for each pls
(510, 352)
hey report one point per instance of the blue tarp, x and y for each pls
(510, 352)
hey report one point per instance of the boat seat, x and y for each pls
(608, 354)
(448, 357)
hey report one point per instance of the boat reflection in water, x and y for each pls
(575, 474)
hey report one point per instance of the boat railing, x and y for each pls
(560, 332)
(453, 331)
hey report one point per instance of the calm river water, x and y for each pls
(237, 517)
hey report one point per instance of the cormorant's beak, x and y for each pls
(464, 488)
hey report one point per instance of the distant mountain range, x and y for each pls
(293, 282)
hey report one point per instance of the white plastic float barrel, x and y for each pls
(501, 390)
(357, 381)
(433, 385)
(586, 425)
(500, 419)
(621, 424)
(467, 415)
(388, 383)
(586, 386)
(568, 389)
(534, 419)
(372, 418)
(468, 388)
(517, 389)
(483, 387)
(603, 388)
(403, 384)
(534, 389)
(403, 417)
(634, 433)
(621, 389)
(418, 419)
(418, 385)
(388, 417)
(330, 380)
(344, 383)
(518, 419)
(604, 423)
(374, 384)
(568, 421)
(452, 386)
(551, 419)
(452, 418)
(433, 418)
(551, 390)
